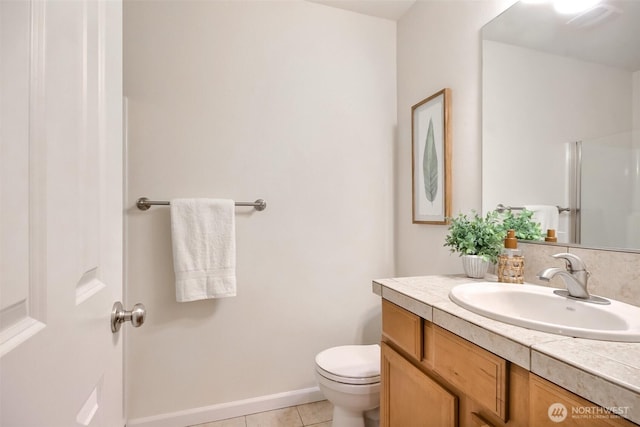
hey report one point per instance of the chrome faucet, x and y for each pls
(574, 277)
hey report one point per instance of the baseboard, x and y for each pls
(234, 409)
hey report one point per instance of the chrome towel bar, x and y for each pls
(144, 204)
(501, 208)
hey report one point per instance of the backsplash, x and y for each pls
(614, 274)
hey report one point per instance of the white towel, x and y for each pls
(546, 215)
(204, 248)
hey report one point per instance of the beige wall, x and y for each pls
(296, 103)
(439, 45)
(292, 102)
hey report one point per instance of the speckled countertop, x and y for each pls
(607, 373)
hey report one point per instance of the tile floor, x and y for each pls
(316, 414)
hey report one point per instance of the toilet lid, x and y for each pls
(351, 364)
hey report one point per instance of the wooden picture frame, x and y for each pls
(431, 159)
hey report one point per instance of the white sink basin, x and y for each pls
(537, 307)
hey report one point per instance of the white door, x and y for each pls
(60, 213)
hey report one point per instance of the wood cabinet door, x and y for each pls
(552, 405)
(410, 398)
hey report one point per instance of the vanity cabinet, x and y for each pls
(432, 377)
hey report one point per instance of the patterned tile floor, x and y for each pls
(316, 414)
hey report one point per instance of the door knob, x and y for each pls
(119, 315)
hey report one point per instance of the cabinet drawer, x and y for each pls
(476, 372)
(402, 328)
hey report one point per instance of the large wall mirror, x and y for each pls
(561, 118)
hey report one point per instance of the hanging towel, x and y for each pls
(204, 248)
(546, 215)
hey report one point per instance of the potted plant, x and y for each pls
(523, 224)
(478, 240)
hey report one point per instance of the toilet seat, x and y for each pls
(350, 364)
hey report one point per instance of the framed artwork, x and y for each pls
(431, 159)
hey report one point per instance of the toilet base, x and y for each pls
(372, 418)
(344, 418)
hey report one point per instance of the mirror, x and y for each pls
(561, 118)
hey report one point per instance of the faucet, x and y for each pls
(574, 277)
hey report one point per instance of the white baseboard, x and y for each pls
(234, 409)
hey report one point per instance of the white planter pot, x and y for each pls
(475, 266)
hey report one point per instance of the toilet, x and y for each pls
(349, 377)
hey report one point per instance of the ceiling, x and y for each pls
(387, 9)
(608, 34)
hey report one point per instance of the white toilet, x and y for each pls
(349, 377)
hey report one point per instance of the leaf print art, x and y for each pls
(431, 159)
(430, 165)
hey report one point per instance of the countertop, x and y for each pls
(604, 372)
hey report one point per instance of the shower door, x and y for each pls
(610, 191)
(60, 213)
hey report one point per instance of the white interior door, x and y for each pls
(60, 213)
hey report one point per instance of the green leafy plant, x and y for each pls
(523, 224)
(476, 235)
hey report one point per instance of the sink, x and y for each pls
(537, 307)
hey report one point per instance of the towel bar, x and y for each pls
(501, 208)
(144, 204)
